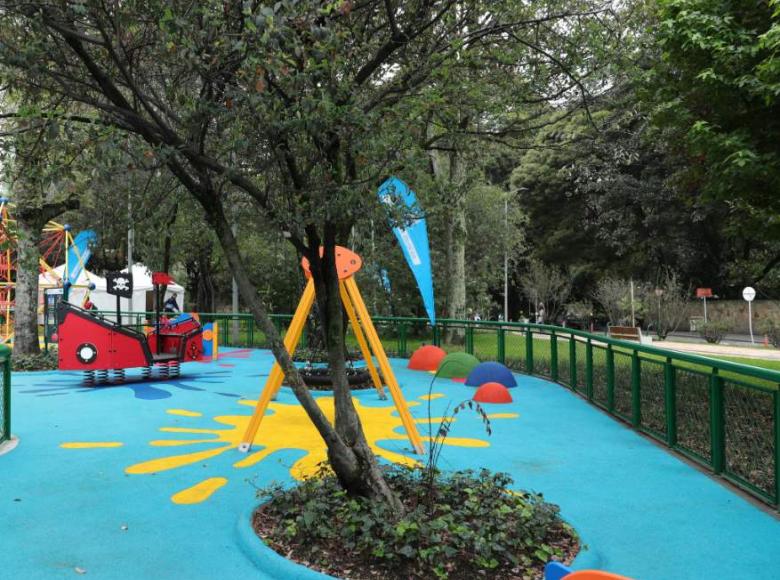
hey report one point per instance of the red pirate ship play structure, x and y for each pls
(98, 345)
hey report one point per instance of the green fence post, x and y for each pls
(553, 357)
(776, 396)
(6, 434)
(501, 346)
(469, 339)
(610, 379)
(251, 331)
(670, 398)
(717, 432)
(529, 352)
(573, 363)
(636, 402)
(436, 336)
(402, 341)
(589, 370)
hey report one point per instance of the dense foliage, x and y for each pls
(475, 525)
(43, 361)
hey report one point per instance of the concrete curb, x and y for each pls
(265, 559)
(8, 446)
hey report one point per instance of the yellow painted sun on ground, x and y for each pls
(286, 426)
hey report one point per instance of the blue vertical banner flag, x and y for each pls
(79, 254)
(413, 238)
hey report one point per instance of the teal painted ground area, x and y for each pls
(64, 512)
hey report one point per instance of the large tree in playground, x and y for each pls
(299, 107)
(45, 167)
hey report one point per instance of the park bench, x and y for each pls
(625, 333)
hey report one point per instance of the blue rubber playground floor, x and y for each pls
(144, 480)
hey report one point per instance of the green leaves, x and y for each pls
(719, 83)
(477, 526)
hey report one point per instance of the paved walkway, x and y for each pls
(721, 350)
(144, 481)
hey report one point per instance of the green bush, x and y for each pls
(45, 361)
(474, 526)
(713, 332)
(320, 356)
(771, 328)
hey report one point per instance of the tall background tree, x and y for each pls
(299, 109)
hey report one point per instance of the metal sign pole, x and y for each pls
(749, 294)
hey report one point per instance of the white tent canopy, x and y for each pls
(143, 290)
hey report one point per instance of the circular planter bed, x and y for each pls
(320, 379)
(469, 524)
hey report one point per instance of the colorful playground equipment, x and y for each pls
(557, 571)
(457, 366)
(492, 393)
(211, 340)
(58, 246)
(427, 358)
(96, 345)
(493, 378)
(347, 264)
(491, 372)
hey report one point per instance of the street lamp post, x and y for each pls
(506, 259)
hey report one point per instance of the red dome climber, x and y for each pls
(492, 393)
(426, 358)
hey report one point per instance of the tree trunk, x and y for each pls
(348, 453)
(30, 220)
(26, 292)
(457, 224)
(450, 174)
(359, 475)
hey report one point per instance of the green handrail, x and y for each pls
(722, 414)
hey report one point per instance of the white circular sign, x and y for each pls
(749, 294)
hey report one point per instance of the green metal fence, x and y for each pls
(722, 415)
(5, 394)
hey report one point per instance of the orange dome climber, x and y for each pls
(427, 358)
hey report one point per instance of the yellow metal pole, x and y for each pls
(274, 381)
(361, 340)
(384, 365)
(11, 296)
(67, 271)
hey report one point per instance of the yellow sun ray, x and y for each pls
(90, 444)
(177, 442)
(199, 492)
(184, 413)
(286, 427)
(503, 416)
(174, 461)
(254, 458)
(432, 396)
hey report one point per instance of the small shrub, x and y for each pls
(771, 328)
(713, 332)
(45, 361)
(320, 356)
(477, 527)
